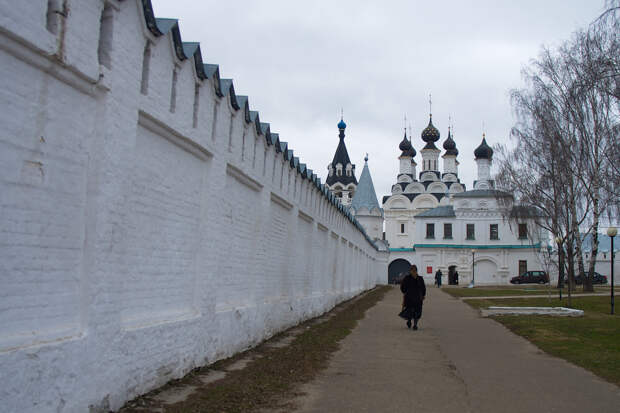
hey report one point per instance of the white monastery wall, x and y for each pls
(147, 227)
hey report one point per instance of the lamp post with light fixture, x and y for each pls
(473, 276)
(612, 232)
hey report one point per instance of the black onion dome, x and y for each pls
(406, 147)
(483, 151)
(404, 144)
(430, 133)
(450, 146)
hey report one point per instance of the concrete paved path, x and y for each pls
(456, 362)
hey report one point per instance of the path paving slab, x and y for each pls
(457, 362)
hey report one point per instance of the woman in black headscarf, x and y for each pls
(414, 290)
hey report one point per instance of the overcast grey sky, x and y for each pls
(300, 62)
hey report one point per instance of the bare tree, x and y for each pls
(565, 162)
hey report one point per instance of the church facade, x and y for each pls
(432, 220)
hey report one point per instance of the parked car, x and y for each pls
(598, 279)
(531, 277)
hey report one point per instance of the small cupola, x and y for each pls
(484, 151)
(406, 148)
(449, 145)
(430, 134)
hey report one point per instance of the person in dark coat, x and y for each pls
(438, 275)
(414, 292)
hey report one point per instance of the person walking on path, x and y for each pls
(414, 292)
(438, 278)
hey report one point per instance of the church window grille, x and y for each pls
(522, 231)
(494, 233)
(447, 231)
(430, 230)
(522, 266)
(402, 228)
(471, 231)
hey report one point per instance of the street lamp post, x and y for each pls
(473, 266)
(558, 241)
(612, 231)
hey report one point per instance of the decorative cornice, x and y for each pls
(479, 247)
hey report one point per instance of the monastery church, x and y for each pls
(430, 219)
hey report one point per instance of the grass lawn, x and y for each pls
(591, 341)
(504, 290)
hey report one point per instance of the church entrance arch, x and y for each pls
(396, 270)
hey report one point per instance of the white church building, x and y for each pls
(431, 220)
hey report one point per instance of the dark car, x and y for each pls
(531, 277)
(598, 279)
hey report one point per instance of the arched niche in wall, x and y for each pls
(404, 178)
(398, 202)
(425, 201)
(414, 188)
(428, 176)
(437, 188)
(449, 178)
(455, 188)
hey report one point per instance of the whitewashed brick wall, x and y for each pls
(143, 234)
